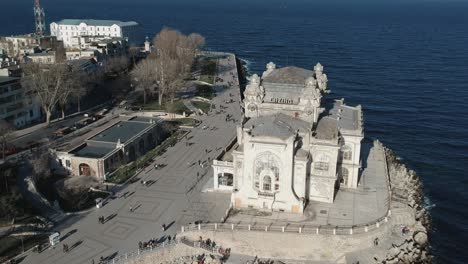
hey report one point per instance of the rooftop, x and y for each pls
(289, 75)
(96, 22)
(327, 128)
(279, 125)
(6, 79)
(349, 118)
(93, 150)
(123, 131)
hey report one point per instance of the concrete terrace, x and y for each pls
(366, 204)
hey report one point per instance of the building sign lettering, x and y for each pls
(281, 101)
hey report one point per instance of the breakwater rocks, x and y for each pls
(411, 218)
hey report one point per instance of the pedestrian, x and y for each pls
(131, 209)
(198, 174)
(163, 227)
(169, 239)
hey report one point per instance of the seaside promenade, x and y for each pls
(174, 199)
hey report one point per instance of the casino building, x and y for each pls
(291, 149)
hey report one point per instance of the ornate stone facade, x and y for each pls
(291, 149)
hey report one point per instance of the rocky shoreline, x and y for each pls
(407, 193)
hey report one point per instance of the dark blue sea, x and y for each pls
(406, 62)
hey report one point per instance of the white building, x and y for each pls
(291, 149)
(19, 45)
(48, 57)
(67, 29)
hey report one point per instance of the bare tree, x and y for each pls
(73, 87)
(40, 166)
(145, 75)
(48, 84)
(133, 52)
(5, 133)
(174, 56)
(116, 65)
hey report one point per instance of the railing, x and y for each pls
(289, 228)
(139, 253)
(158, 247)
(222, 163)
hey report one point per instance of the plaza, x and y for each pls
(175, 199)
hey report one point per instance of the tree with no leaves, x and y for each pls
(169, 66)
(175, 53)
(145, 75)
(5, 132)
(115, 65)
(51, 85)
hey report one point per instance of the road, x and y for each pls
(100, 94)
(173, 198)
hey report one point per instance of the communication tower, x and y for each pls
(40, 18)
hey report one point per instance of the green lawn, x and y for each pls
(207, 68)
(185, 122)
(205, 91)
(177, 107)
(206, 78)
(204, 106)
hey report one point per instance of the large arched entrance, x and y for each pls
(84, 169)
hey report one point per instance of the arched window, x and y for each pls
(346, 152)
(266, 166)
(267, 183)
(84, 169)
(344, 176)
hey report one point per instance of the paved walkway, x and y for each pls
(174, 198)
(190, 106)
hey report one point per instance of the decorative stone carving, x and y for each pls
(269, 68)
(311, 83)
(254, 93)
(321, 77)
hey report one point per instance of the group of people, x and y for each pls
(153, 242)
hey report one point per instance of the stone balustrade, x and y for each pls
(290, 228)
